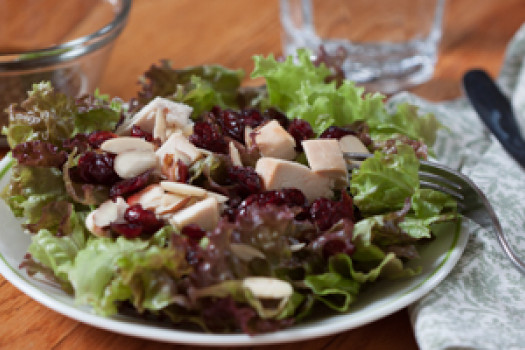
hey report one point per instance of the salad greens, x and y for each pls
(201, 87)
(202, 282)
(299, 89)
(49, 116)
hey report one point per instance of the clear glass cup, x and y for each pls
(385, 45)
(65, 42)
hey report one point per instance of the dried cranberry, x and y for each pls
(300, 130)
(193, 232)
(79, 141)
(129, 186)
(321, 212)
(193, 255)
(325, 212)
(336, 132)
(336, 241)
(97, 138)
(252, 117)
(149, 223)
(272, 113)
(97, 168)
(206, 135)
(126, 229)
(333, 247)
(337, 246)
(231, 124)
(136, 131)
(286, 196)
(290, 197)
(294, 197)
(247, 180)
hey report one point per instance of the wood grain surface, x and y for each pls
(230, 32)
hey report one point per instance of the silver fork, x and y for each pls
(472, 203)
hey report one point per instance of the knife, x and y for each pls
(495, 110)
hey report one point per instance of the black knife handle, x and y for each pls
(495, 111)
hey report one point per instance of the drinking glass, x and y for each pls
(385, 45)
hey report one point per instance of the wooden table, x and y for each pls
(230, 32)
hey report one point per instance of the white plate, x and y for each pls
(384, 298)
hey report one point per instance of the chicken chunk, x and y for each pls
(279, 173)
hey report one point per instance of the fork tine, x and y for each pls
(356, 156)
(444, 180)
(445, 175)
(458, 196)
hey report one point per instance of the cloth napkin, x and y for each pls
(481, 304)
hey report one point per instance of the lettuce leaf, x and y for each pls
(339, 287)
(406, 120)
(59, 251)
(44, 115)
(427, 202)
(384, 182)
(285, 79)
(107, 270)
(334, 290)
(96, 113)
(398, 213)
(32, 188)
(50, 116)
(201, 87)
(389, 229)
(300, 90)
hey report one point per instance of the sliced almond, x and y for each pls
(105, 214)
(108, 212)
(296, 247)
(170, 131)
(182, 144)
(219, 197)
(148, 198)
(126, 143)
(170, 203)
(235, 156)
(169, 165)
(132, 163)
(183, 189)
(176, 115)
(159, 129)
(204, 213)
(121, 208)
(172, 157)
(179, 146)
(246, 252)
(248, 141)
(268, 288)
(94, 229)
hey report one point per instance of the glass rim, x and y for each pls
(68, 50)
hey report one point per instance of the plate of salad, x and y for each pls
(203, 212)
